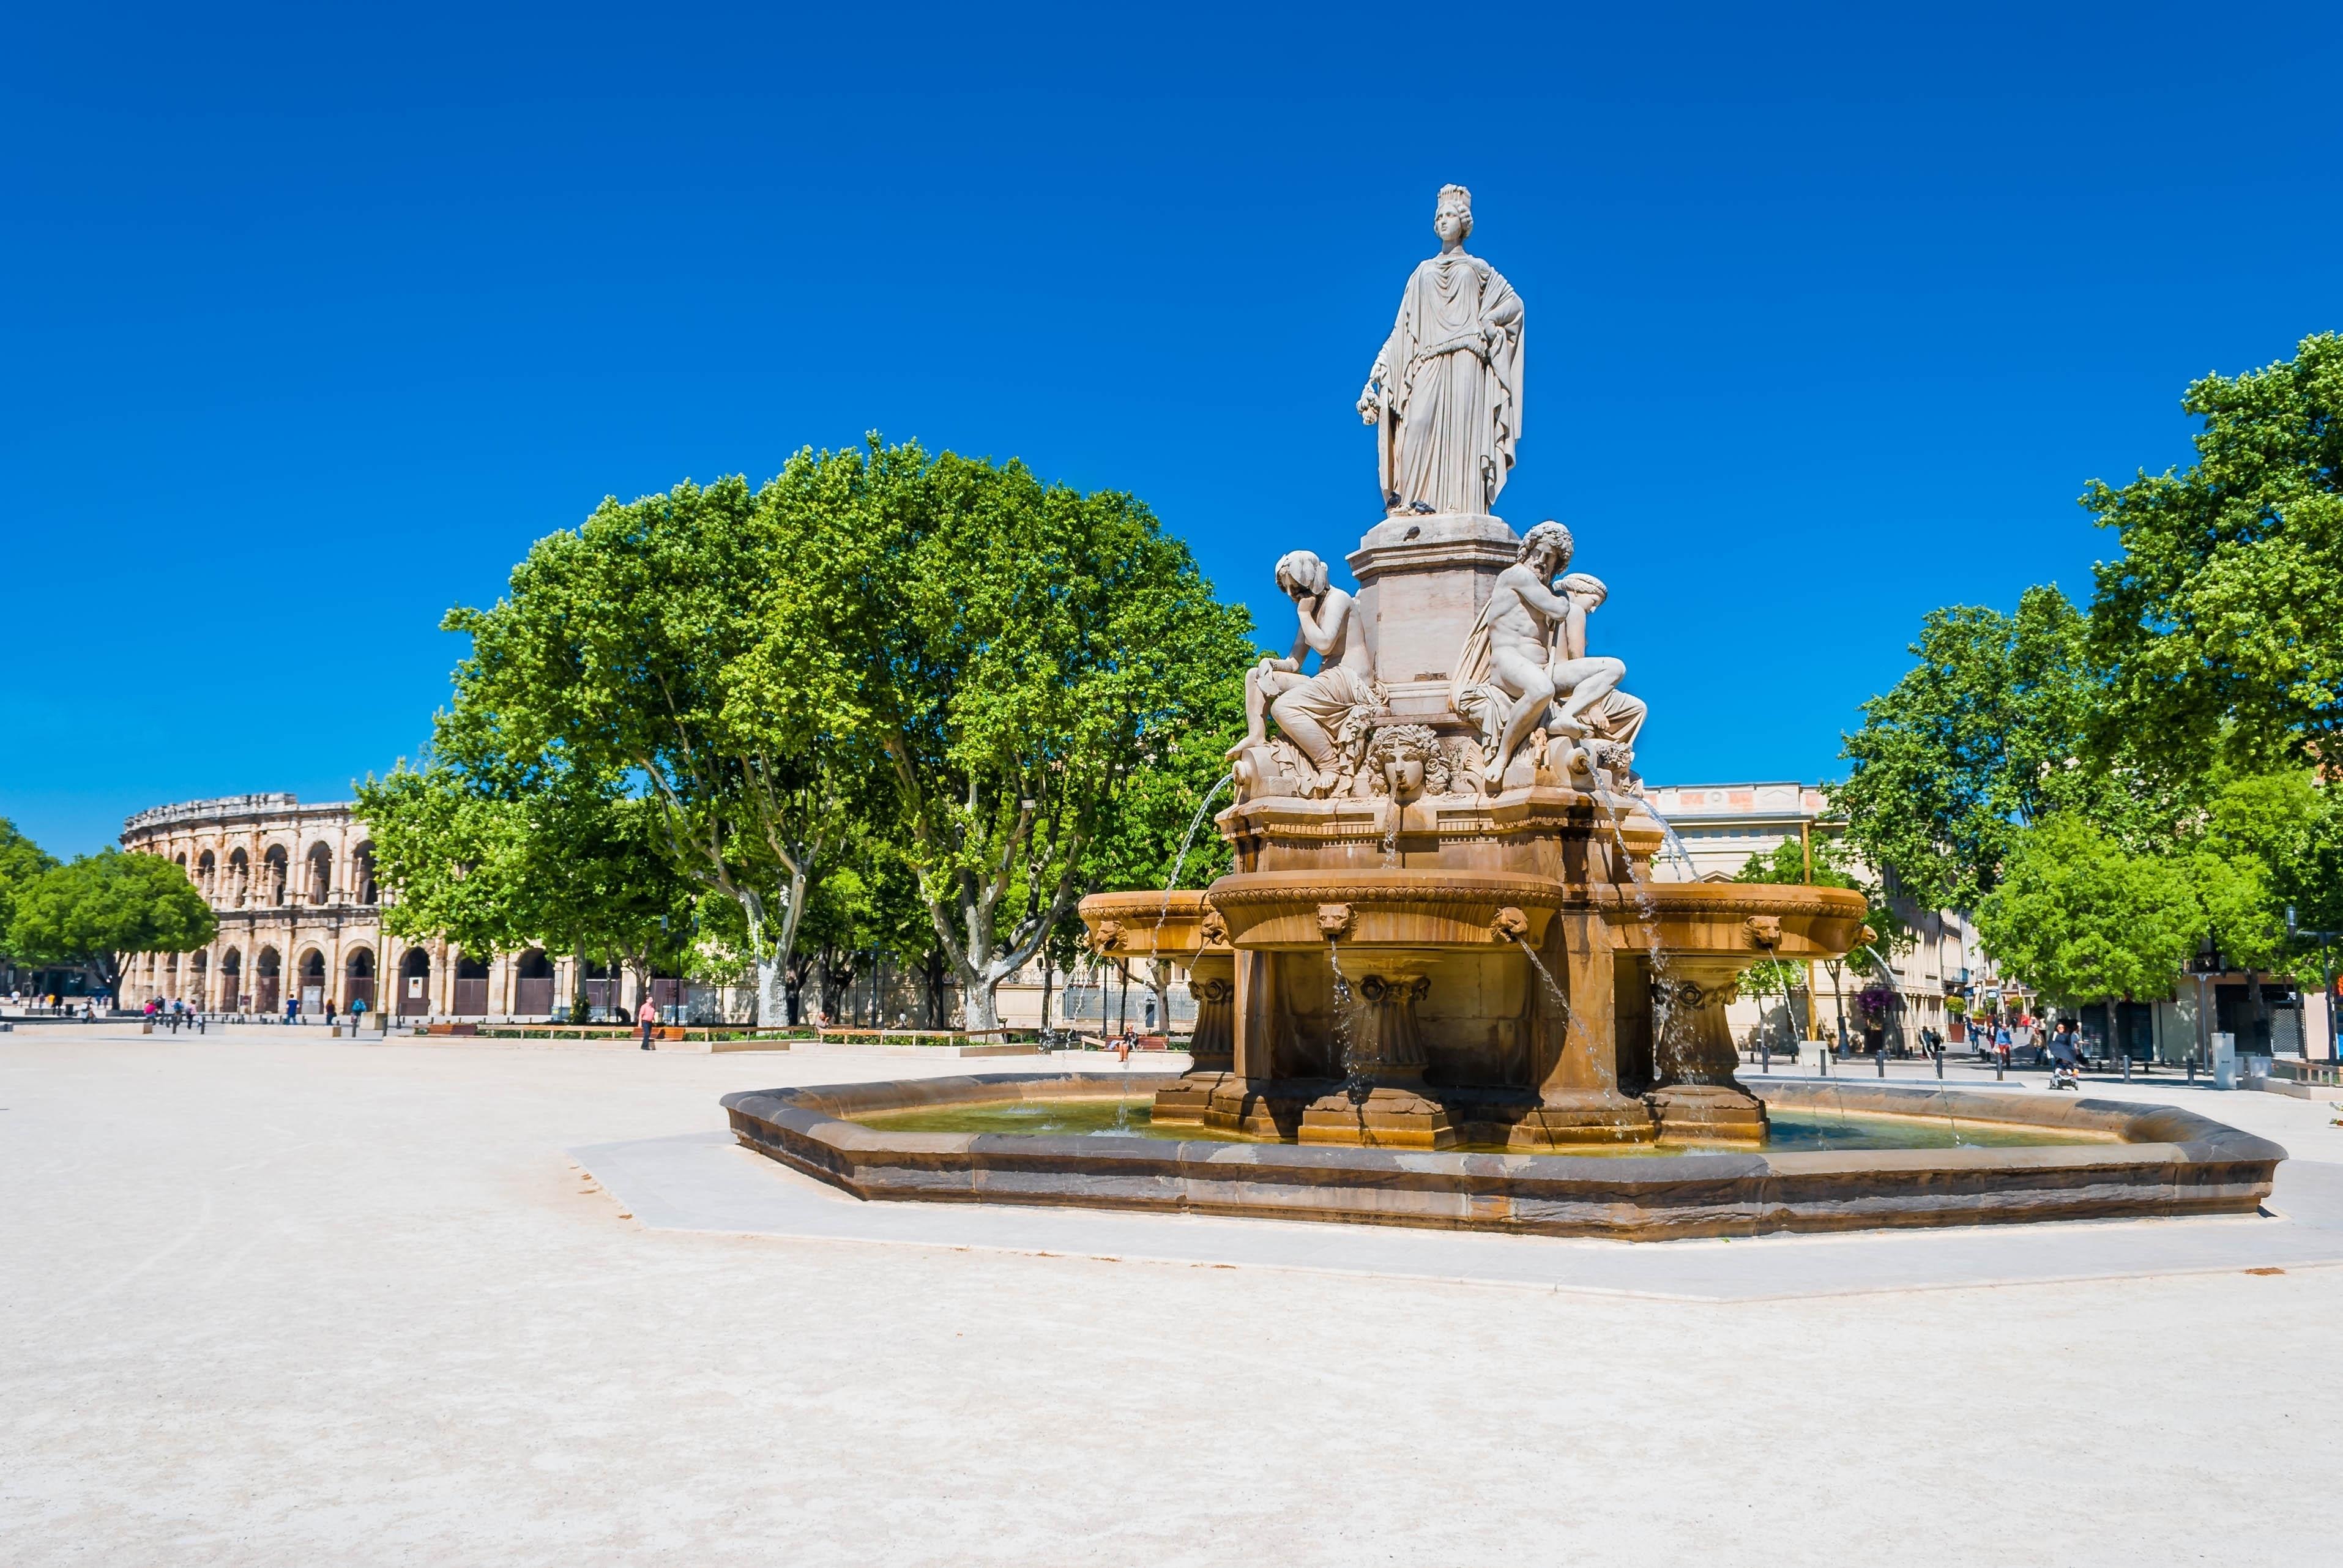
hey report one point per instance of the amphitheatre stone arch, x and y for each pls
(358, 976)
(415, 984)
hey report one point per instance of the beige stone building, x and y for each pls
(1720, 826)
(300, 918)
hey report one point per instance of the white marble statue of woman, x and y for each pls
(1446, 393)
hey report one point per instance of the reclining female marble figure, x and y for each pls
(1323, 715)
(1524, 663)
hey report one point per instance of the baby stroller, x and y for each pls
(2066, 1071)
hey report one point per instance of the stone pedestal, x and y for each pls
(1423, 578)
(1259, 1107)
(1185, 1101)
(1378, 1116)
(1578, 1093)
(1698, 1098)
(1211, 980)
(1381, 1102)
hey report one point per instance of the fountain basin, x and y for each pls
(2166, 1163)
(1182, 928)
(1149, 924)
(1302, 910)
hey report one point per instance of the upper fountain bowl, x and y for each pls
(1153, 924)
(1294, 911)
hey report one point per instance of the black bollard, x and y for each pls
(2126, 1066)
(1940, 1063)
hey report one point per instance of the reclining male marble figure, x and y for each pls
(1524, 663)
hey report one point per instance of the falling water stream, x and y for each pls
(1187, 839)
(1356, 1083)
(1675, 846)
(1663, 1059)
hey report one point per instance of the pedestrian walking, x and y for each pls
(647, 1015)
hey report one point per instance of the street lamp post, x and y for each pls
(2325, 940)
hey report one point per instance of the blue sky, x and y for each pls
(314, 321)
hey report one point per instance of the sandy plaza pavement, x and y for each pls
(270, 1298)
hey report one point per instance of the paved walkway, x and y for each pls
(272, 1301)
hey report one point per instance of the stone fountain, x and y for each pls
(1442, 931)
(1442, 927)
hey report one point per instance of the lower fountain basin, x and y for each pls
(2128, 1161)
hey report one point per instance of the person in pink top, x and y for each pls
(647, 1015)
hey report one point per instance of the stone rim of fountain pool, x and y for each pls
(2169, 1162)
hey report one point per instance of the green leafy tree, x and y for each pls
(102, 908)
(1020, 653)
(2289, 827)
(1982, 739)
(664, 641)
(2223, 618)
(2266, 843)
(2081, 919)
(21, 861)
(550, 857)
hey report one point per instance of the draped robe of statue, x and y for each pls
(1450, 399)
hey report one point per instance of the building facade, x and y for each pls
(300, 919)
(1720, 826)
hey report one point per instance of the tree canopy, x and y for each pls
(2182, 721)
(102, 908)
(559, 860)
(1023, 653)
(2079, 917)
(1983, 737)
(659, 646)
(21, 861)
(964, 695)
(2222, 619)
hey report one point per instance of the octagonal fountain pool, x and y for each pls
(1838, 1157)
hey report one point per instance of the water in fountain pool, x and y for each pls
(1794, 1128)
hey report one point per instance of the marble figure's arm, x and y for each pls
(1323, 636)
(1370, 395)
(1541, 601)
